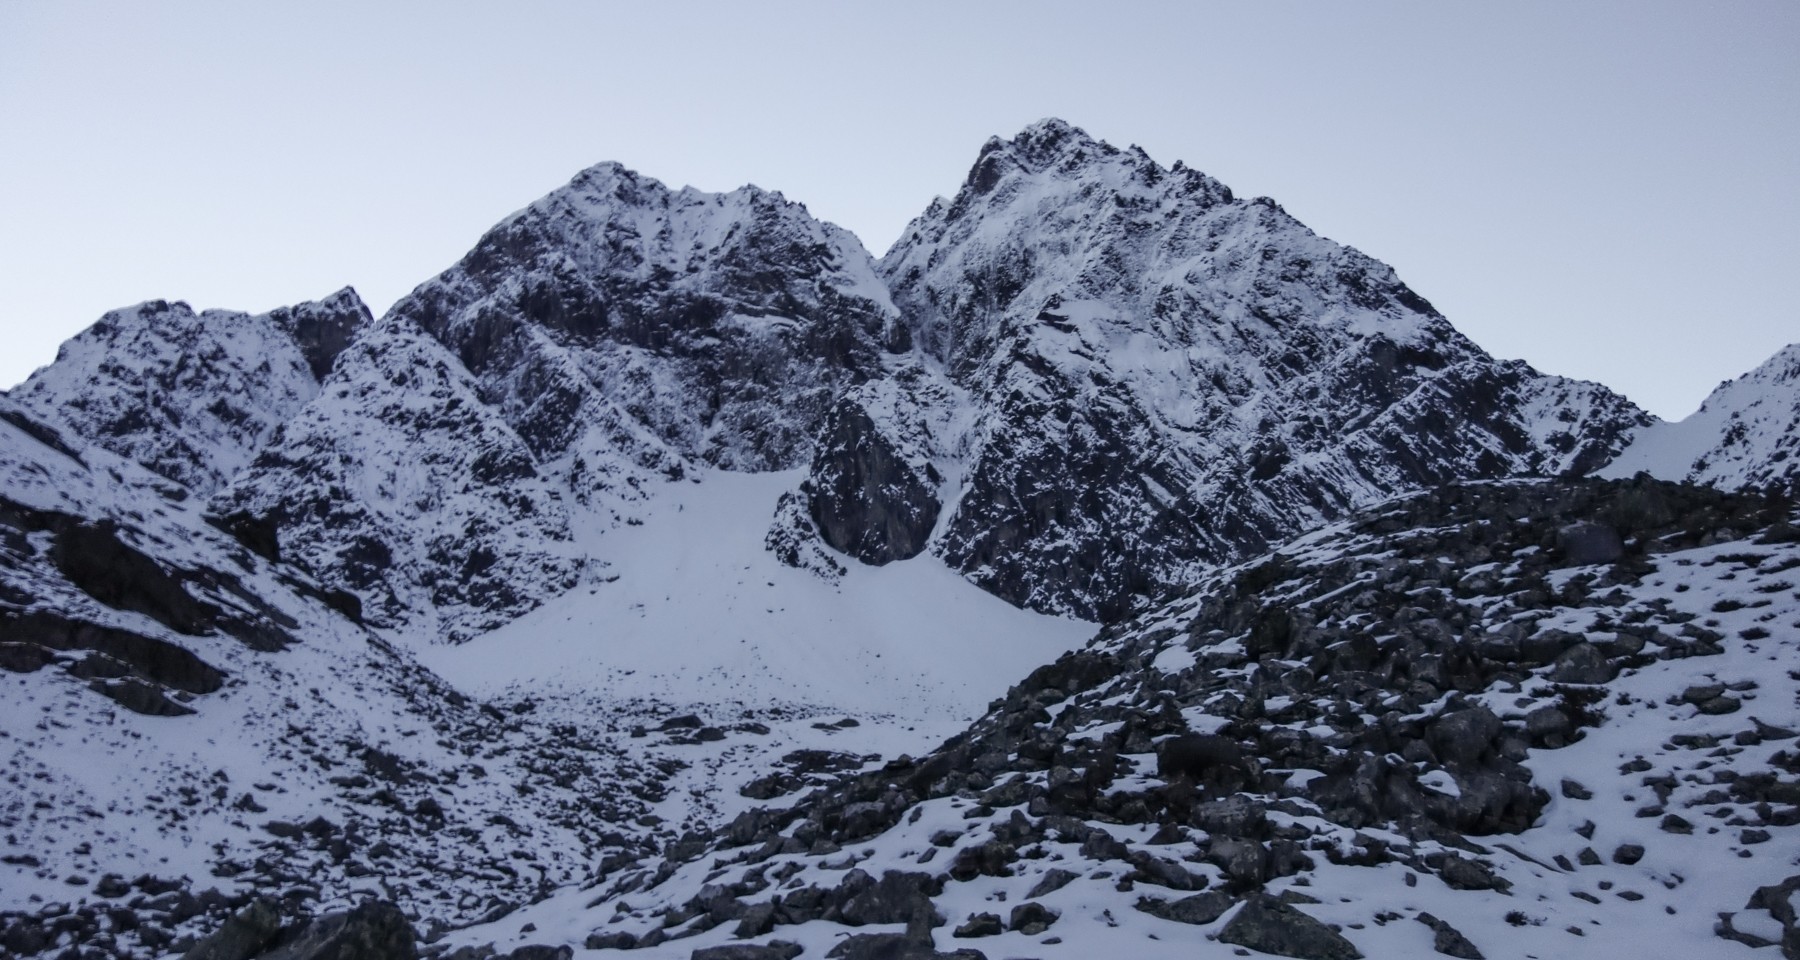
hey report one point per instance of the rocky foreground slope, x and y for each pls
(1517, 719)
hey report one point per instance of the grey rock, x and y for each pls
(1201, 908)
(895, 946)
(1246, 862)
(1053, 880)
(1463, 873)
(1031, 918)
(1447, 940)
(980, 925)
(896, 898)
(376, 930)
(1588, 543)
(773, 950)
(541, 951)
(1464, 736)
(1582, 663)
(245, 935)
(1270, 926)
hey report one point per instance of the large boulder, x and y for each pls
(1270, 926)
(375, 930)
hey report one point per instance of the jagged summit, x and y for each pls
(1060, 150)
(1047, 144)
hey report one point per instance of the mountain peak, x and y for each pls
(1047, 144)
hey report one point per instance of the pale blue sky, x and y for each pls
(1609, 190)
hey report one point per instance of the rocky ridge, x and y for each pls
(611, 337)
(192, 396)
(1746, 434)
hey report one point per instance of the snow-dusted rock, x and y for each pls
(724, 323)
(191, 396)
(601, 342)
(400, 484)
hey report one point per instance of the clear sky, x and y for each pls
(1608, 190)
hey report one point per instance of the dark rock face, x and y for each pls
(259, 535)
(865, 498)
(111, 571)
(725, 324)
(324, 328)
(140, 697)
(155, 660)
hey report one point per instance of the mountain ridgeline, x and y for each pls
(1078, 381)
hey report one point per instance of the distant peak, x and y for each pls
(346, 297)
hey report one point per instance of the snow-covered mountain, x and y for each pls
(607, 340)
(1126, 372)
(1746, 434)
(1093, 377)
(192, 396)
(182, 708)
(734, 529)
(399, 483)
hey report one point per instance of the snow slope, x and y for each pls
(1746, 434)
(695, 612)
